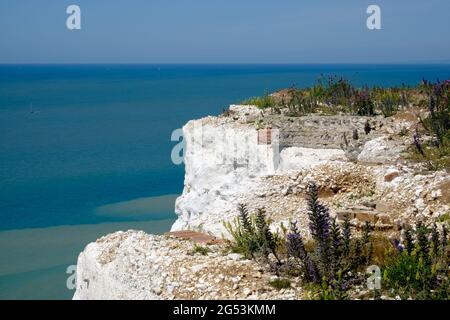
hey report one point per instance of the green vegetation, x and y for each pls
(445, 217)
(336, 257)
(334, 95)
(252, 236)
(438, 121)
(335, 261)
(435, 158)
(420, 269)
(390, 100)
(201, 250)
(280, 283)
(264, 102)
(435, 152)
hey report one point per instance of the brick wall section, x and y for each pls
(265, 136)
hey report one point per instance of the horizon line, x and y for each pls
(222, 63)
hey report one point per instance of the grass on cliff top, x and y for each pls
(264, 102)
(335, 95)
(434, 158)
(434, 150)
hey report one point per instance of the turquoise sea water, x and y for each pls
(92, 153)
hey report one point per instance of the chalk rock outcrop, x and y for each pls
(134, 265)
(225, 159)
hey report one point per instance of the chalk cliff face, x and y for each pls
(221, 160)
(117, 267)
(225, 159)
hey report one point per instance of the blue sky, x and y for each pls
(224, 31)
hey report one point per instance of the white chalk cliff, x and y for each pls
(224, 161)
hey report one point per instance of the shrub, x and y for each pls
(336, 255)
(264, 102)
(421, 270)
(433, 156)
(280, 283)
(434, 152)
(389, 103)
(438, 121)
(296, 248)
(363, 104)
(252, 235)
(299, 102)
(445, 217)
(201, 250)
(267, 243)
(338, 91)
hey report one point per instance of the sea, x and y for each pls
(85, 150)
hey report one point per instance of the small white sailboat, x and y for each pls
(32, 110)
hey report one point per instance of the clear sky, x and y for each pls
(224, 31)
